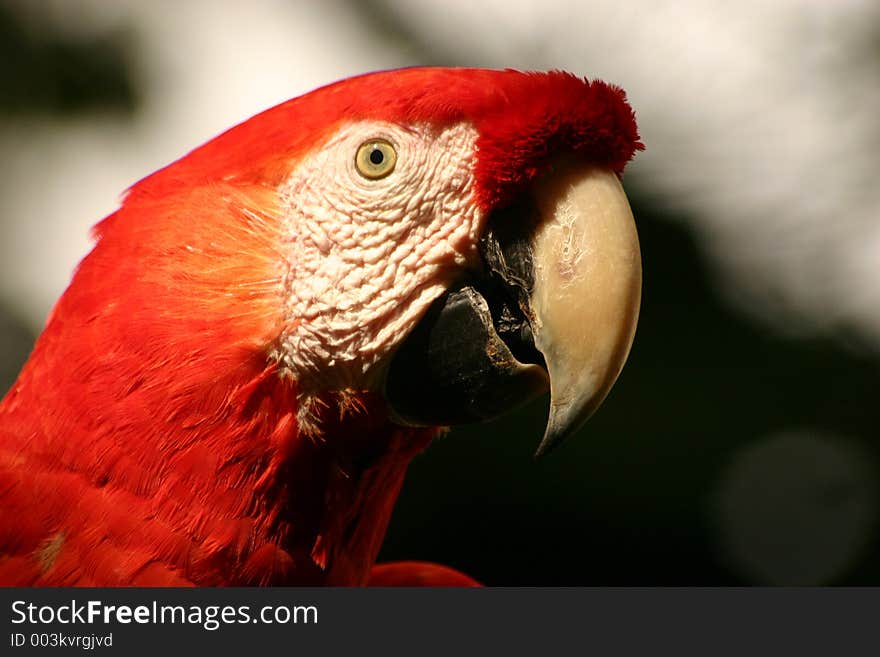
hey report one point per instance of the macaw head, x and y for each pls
(453, 241)
(269, 328)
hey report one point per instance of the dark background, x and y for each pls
(730, 451)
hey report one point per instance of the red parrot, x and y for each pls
(270, 328)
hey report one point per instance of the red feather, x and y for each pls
(418, 573)
(151, 439)
(522, 118)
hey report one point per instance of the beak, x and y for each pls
(587, 291)
(555, 306)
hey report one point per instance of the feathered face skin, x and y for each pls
(215, 399)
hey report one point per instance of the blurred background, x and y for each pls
(740, 445)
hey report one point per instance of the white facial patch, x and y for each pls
(367, 257)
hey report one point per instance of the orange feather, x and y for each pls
(152, 439)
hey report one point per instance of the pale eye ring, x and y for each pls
(375, 159)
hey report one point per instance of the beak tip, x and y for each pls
(551, 440)
(566, 419)
(561, 424)
(548, 444)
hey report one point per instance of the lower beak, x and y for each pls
(555, 305)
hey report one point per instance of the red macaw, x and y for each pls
(270, 328)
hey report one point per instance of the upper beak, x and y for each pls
(555, 305)
(586, 294)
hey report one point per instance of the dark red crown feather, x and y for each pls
(522, 119)
(149, 399)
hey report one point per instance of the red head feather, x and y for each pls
(521, 118)
(150, 439)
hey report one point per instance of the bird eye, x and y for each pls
(375, 159)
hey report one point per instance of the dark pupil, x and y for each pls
(376, 156)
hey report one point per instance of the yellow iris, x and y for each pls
(375, 159)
